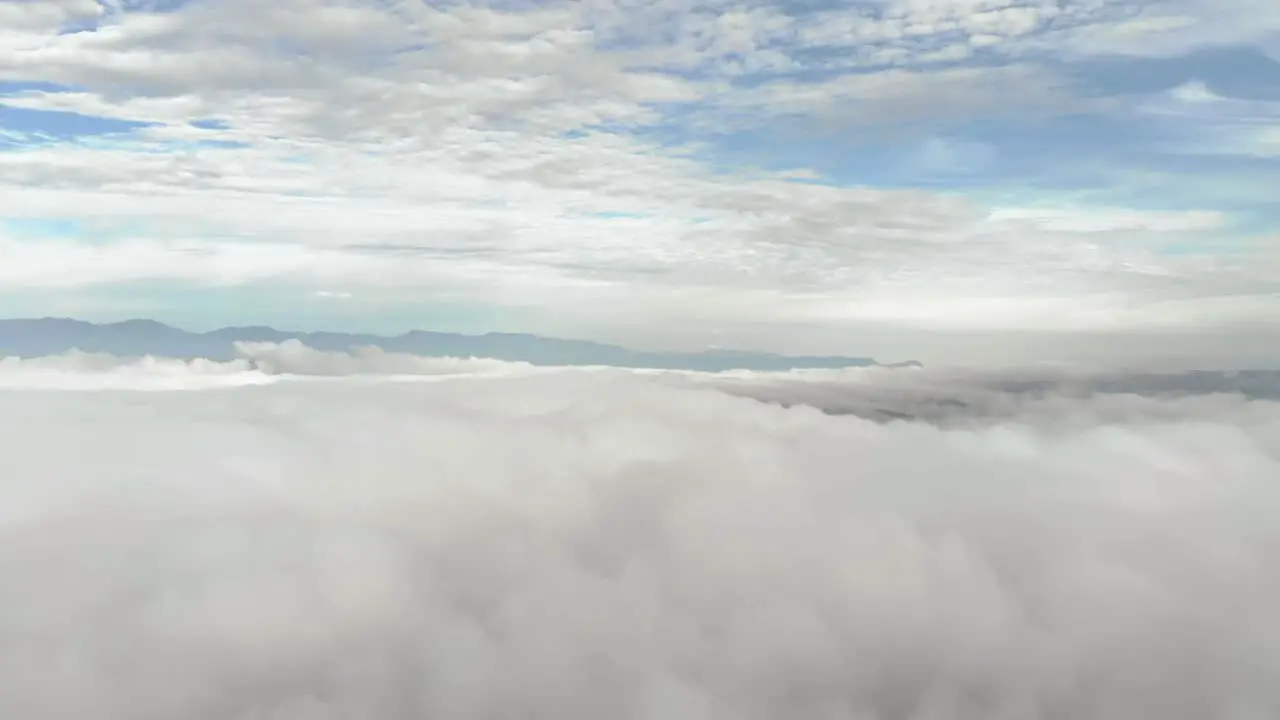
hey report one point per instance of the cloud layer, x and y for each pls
(585, 543)
(567, 168)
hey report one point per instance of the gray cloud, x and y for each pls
(583, 544)
(951, 397)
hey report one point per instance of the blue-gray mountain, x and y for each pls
(131, 338)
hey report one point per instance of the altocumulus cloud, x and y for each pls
(304, 536)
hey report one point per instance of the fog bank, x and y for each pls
(313, 536)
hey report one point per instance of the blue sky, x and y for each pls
(963, 179)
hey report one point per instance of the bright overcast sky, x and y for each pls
(978, 180)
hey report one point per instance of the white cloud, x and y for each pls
(387, 147)
(19, 17)
(586, 544)
(1116, 219)
(787, 251)
(1166, 29)
(256, 363)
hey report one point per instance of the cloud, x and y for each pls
(578, 162)
(255, 363)
(292, 357)
(928, 97)
(842, 247)
(1168, 29)
(1061, 396)
(608, 543)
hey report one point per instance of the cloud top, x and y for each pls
(255, 363)
(578, 543)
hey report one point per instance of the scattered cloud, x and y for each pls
(728, 166)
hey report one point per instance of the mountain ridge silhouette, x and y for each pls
(35, 337)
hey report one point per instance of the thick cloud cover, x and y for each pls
(412, 538)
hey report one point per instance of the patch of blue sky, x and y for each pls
(1185, 248)
(191, 308)
(803, 139)
(823, 62)
(1078, 155)
(125, 141)
(435, 314)
(970, 153)
(1029, 143)
(63, 125)
(18, 87)
(862, 8)
(79, 25)
(1096, 160)
(290, 307)
(165, 147)
(195, 307)
(1218, 164)
(673, 132)
(41, 228)
(1236, 72)
(1248, 194)
(1219, 246)
(215, 145)
(154, 6)
(1239, 184)
(1258, 221)
(1127, 187)
(512, 6)
(72, 229)
(38, 303)
(13, 141)
(618, 215)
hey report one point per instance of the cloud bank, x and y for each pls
(256, 363)
(585, 543)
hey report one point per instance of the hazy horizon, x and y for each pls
(40, 337)
(1090, 351)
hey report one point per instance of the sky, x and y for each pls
(299, 535)
(963, 181)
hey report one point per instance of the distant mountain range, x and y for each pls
(132, 338)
